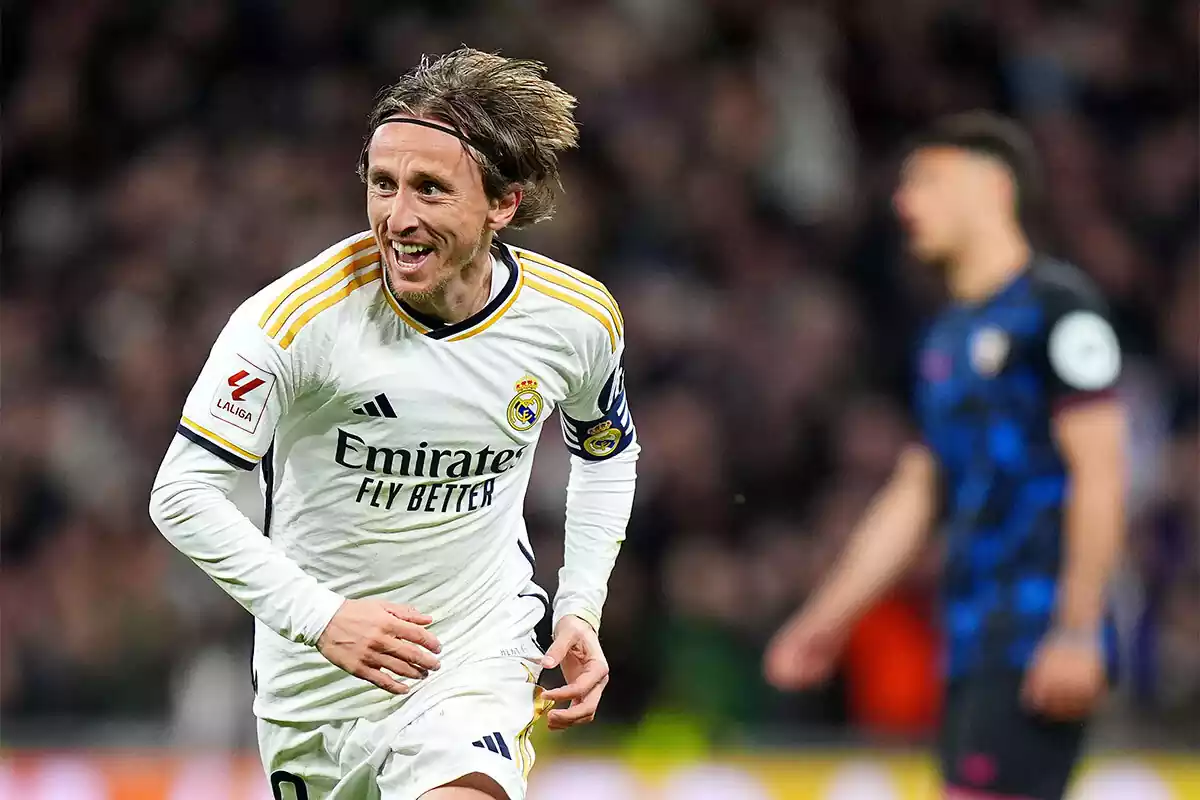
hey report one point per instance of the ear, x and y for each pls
(501, 210)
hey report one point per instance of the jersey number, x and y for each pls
(279, 778)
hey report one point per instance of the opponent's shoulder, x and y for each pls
(301, 297)
(579, 302)
(1060, 286)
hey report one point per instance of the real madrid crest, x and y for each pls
(989, 349)
(526, 406)
(602, 439)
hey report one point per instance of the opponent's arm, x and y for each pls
(1066, 677)
(1091, 439)
(885, 543)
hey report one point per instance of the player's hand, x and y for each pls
(1066, 678)
(576, 648)
(803, 653)
(367, 636)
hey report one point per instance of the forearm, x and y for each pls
(1091, 438)
(887, 541)
(599, 502)
(1093, 535)
(189, 504)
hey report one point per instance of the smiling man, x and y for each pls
(393, 390)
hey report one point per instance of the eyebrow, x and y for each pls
(421, 175)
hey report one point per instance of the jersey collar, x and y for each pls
(477, 322)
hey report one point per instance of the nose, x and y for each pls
(402, 215)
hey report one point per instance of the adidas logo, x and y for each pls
(495, 743)
(379, 407)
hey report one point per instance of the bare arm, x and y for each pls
(884, 545)
(1091, 439)
(889, 538)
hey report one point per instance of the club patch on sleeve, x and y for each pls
(1084, 352)
(598, 439)
(241, 396)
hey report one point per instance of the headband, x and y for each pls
(435, 126)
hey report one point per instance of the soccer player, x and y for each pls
(1022, 458)
(393, 391)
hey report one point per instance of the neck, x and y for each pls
(988, 264)
(465, 293)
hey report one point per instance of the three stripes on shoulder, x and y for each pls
(357, 264)
(350, 268)
(573, 287)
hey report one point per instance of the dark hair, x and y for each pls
(515, 121)
(998, 137)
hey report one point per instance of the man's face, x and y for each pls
(427, 207)
(937, 195)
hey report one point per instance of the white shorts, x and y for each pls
(476, 717)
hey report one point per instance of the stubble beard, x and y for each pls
(426, 297)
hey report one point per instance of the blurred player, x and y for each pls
(393, 390)
(1023, 458)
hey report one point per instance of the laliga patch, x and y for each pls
(1084, 351)
(241, 396)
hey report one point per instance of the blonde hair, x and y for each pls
(514, 119)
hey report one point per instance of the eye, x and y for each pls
(429, 189)
(382, 183)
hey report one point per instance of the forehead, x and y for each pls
(401, 146)
(937, 157)
(946, 159)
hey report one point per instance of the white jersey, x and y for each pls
(396, 451)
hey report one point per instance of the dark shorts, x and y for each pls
(990, 746)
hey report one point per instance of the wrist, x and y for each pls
(1075, 635)
(592, 622)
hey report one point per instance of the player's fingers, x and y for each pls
(580, 712)
(383, 681)
(411, 632)
(400, 666)
(593, 673)
(416, 655)
(557, 652)
(398, 647)
(407, 613)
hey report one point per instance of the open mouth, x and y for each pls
(409, 257)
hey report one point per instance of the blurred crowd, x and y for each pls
(164, 160)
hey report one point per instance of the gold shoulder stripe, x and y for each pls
(217, 439)
(324, 286)
(578, 275)
(536, 283)
(346, 252)
(490, 321)
(359, 280)
(598, 298)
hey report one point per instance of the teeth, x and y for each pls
(410, 248)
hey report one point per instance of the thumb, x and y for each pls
(407, 613)
(558, 650)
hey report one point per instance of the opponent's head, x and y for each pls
(460, 147)
(967, 175)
